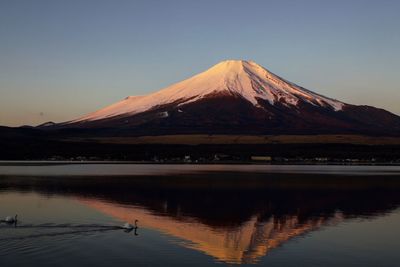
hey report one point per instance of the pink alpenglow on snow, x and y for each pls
(241, 78)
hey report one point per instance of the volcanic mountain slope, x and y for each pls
(237, 97)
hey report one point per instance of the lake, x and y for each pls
(199, 215)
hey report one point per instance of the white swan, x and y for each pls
(10, 219)
(128, 226)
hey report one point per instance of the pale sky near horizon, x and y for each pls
(62, 59)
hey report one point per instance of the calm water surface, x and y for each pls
(200, 215)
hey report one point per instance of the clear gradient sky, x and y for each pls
(62, 59)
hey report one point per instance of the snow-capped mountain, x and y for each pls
(237, 96)
(245, 79)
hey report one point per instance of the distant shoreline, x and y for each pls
(128, 162)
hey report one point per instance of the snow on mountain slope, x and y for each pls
(240, 78)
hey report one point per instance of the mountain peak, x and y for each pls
(233, 62)
(238, 78)
(232, 65)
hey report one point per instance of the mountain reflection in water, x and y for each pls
(235, 219)
(244, 243)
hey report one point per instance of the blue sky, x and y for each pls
(62, 59)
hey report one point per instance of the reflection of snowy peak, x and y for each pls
(246, 79)
(247, 243)
(237, 97)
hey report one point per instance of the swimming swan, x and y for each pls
(10, 219)
(128, 226)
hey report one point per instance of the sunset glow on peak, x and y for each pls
(238, 78)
